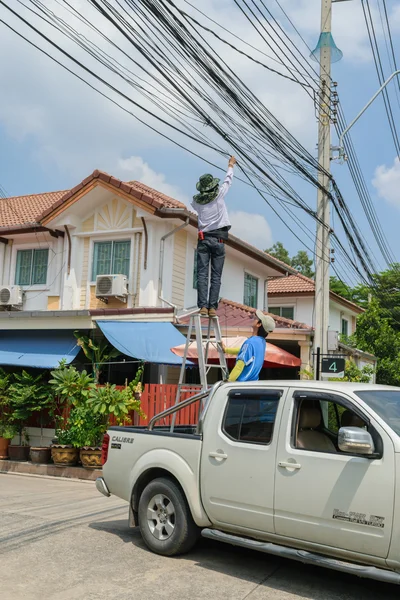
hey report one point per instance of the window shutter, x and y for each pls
(121, 258)
(101, 259)
(24, 267)
(39, 267)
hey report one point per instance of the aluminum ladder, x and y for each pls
(213, 339)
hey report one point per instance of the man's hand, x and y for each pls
(232, 162)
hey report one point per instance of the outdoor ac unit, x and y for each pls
(11, 295)
(111, 285)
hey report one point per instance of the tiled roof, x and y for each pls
(22, 210)
(299, 284)
(233, 314)
(292, 284)
(165, 200)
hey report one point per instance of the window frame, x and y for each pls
(254, 278)
(112, 242)
(297, 398)
(32, 251)
(280, 307)
(342, 321)
(248, 393)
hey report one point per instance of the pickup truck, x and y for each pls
(301, 469)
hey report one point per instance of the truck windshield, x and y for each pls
(386, 404)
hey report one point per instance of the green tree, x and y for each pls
(376, 335)
(303, 264)
(279, 251)
(300, 261)
(340, 288)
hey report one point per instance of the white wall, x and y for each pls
(304, 311)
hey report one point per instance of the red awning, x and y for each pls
(274, 356)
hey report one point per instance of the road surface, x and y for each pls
(60, 539)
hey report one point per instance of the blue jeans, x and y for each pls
(209, 250)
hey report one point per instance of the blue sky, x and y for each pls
(54, 130)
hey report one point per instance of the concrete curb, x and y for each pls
(28, 468)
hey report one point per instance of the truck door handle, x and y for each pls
(218, 455)
(289, 465)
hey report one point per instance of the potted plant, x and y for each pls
(27, 394)
(63, 453)
(109, 401)
(73, 388)
(7, 432)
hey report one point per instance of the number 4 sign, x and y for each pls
(333, 367)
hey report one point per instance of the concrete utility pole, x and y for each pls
(323, 208)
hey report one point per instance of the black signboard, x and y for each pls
(334, 367)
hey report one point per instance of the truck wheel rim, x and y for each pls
(161, 517)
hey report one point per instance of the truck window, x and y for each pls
(250, 418)
(317, 423)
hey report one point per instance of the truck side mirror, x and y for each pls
(355, 441)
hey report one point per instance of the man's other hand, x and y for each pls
(232, 161)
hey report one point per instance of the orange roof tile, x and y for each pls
(165, 200)
(300, 284)
(23, 210)
(292, 284)
(234, 314)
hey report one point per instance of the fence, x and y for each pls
(155, 398)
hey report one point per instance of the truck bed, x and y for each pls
(179, 430)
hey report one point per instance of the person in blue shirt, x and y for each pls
(251, 356)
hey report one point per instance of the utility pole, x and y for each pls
(322, 262)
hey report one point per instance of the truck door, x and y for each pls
(325, 496)
(239, 456)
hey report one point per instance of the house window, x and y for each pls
(111, 258)
(32, 267)
(345, 327)
(250, 290)
(282, 311)
(195, 270)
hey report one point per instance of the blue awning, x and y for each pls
(42, 349)
(150, 342)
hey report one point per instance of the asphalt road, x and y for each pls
(60, 539)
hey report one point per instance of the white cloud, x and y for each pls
(134, 168)
(387, 182)
(252, 228)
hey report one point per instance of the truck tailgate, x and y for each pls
(134, 450)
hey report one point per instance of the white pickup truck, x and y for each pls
(301, 469)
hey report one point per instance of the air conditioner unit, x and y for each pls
(11, 295)
(112, 285)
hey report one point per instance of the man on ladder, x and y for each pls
(213, 227)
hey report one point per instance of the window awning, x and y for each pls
(150, 342)
(41, 349)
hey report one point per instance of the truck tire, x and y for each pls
(165, 521)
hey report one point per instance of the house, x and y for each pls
(293, 297)
(54, 246)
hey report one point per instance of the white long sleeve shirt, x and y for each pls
(214, 215)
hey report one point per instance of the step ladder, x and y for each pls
(213, 339)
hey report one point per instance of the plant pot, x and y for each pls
(4, 443)
(91, 457)
(20, 453)
(41, 455)
(64, 456)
